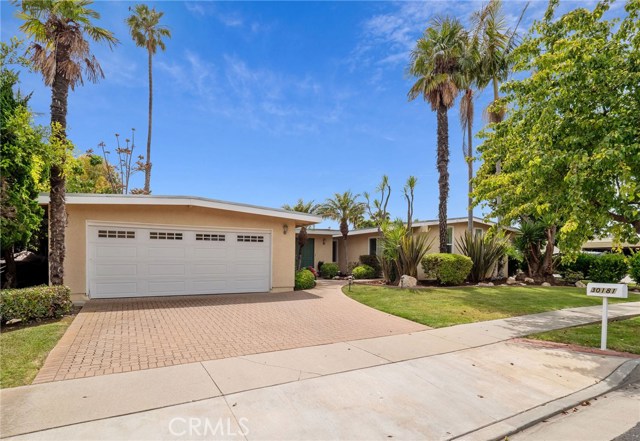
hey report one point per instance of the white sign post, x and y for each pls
(606, 290)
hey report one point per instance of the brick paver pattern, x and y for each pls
(122, 335)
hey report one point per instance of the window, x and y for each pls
(334, 251)
(116, 234)
(479, 232)
(449, 240)
(163, 235)
(210, 237)
(373, 246)
(249, 238)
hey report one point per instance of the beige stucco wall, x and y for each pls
(358, 245)
(283, 245)
(322, 252)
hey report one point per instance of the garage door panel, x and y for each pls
(173, 269)
(115, 289)
(167, 252)
(211, 253)
(208, 269)
(117, 251)
(148, 263)
(171, 287)
(116, 270)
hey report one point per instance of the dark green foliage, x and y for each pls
(572, 277)
(582, 264)
(329, 270)
(484, 251)
(634, 267)
(373, 262)
(305, 279)
(609, 268)
(448, 269)
(38, 302)
(320, 263)
(363, 272)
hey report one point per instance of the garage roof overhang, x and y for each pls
(300, 219)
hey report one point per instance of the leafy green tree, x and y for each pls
(88, 173)
(343, 208)
(21, 150)
(302, 207)
(435, 61)
(60, 52)
(147, 32)
(570, 145)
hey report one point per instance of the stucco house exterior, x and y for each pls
(367, 240)
(147, 245)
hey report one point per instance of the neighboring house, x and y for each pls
(367, 240)
(607, 244)
(141, 245)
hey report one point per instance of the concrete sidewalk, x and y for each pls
(434, 384)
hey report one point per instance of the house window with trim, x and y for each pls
(479, 232)
(449, 240)
(373, 246)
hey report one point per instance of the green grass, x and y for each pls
(623, 335)
(439, 307)
(23, 350)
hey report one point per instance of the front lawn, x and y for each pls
(23, 350)
(439, 307)
(623, 335)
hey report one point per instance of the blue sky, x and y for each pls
(268, 102)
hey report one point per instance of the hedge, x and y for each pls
(363, 272)
(329, 270)
(609, 268)
(448, 269)
(34, 303)
(305, 279)
(634, 267)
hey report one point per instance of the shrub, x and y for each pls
(609, 268)
(34, 303)
(484, 251)
(363, 272)
(320, 263)
(634, 267)
(448, 269)
(582, 264)
(572, 277)
(372, 261)
(305, 279)
(329, 270)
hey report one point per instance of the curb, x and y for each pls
(500, 430)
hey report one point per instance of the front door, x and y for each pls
(307, 253)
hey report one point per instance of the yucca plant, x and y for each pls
(484, 251)
(392, 235)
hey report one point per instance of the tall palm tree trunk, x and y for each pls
(147, 170)
(57, 181)
(443, 172)
(470, 176)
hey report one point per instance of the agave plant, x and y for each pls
(484, 251)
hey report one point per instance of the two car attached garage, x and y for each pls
(136, 246)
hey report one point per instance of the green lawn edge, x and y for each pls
(23, 350)
(447, 306)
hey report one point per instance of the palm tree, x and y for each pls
(470, 70)
(147, 32)
(343, 208)
(435, 61)
(60, 52)
(302, 207)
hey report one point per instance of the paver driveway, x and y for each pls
(110, 336)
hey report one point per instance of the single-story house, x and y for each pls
(608, 244)
(366, 241)
(147, 245)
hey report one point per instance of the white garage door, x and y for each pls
(159, 261)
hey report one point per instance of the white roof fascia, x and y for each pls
(116, 199)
